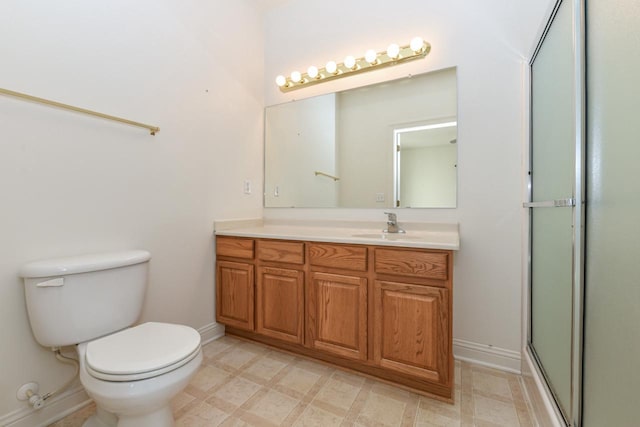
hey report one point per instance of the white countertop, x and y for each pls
(418, 234)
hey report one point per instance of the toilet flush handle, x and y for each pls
(59, 281)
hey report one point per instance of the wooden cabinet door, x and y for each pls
(280, 303)
(234, 294)
(411, 330)
(337, 314)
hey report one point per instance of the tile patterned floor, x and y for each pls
(246, 384)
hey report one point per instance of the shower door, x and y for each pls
(612, 290)
(555, 208)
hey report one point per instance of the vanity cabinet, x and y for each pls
(337, 299)
(337, 314)
(280, 303)
(412, 313)
(384, 311)
(411, 329)
(235, 283)
(280, 290)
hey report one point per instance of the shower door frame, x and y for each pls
(574, 416)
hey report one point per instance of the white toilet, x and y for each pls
(91, 301)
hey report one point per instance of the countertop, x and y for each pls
(418, 234)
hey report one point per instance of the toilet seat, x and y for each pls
(141, 352)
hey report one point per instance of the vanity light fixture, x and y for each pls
(393, 51)
(296, 77)
(394, 55)
(371, 56)
(331, 68)
(350, 62)
(312, 72)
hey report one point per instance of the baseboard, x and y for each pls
(486, 355)
(75, 398)
(211, 332)
(58, 407)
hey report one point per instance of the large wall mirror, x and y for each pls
(392, 144)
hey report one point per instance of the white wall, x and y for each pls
(485, 41)
(72, 184)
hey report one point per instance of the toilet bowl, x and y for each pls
(92, 301)
(134, 375)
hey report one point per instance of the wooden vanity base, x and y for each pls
(382, 311)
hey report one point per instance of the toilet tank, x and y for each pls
(75, 299)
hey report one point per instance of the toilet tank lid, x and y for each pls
(83, 263)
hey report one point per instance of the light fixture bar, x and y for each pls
(392, 56)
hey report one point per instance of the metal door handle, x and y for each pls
(558, 203)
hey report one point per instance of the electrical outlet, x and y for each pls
(379, 197)
(247, 187)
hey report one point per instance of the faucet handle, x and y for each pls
(392, 216)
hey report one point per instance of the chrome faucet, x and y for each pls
(392, 224)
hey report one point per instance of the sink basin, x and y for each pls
(419, 239)
(388, 236)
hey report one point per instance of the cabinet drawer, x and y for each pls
(338, 256)
(234, 247)
(430, 265)
(291, 252)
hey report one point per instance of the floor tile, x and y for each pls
(219, 345)
(237, 391)
(247, 384)
(203, 414)
(314, 416)
(491, 385)
(265, 368)
(382, 410)
(299, 380)
(274, 407)
(495, 411)
(237, 358)
(208, 377)
(338, 392)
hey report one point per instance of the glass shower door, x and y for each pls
(612, 290)
(553, 171)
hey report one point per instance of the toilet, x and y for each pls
(91, 302)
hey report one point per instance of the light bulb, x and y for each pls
(331, 67)
(350, 62)
(281, 81)
(296, 76)
(393, 51)
(371, 56)
(312, 72)
(417, 44)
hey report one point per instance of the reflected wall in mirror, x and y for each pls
(340, 149)
(426, 159)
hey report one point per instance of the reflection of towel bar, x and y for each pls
(152, 129)
(335, 178)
